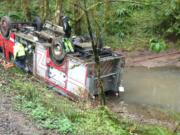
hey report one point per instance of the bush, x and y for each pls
(169, 17)
(157, 45)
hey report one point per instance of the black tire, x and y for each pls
(57, 52)
(5, 26)
(37, 23)
(66, 26)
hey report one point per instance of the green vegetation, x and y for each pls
(128, 25)
(157, 45)
(136, 23)
(169, 20)
(54, 112)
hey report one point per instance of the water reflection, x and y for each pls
(157, 86)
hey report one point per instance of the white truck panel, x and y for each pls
(76, 77)
(40, 65)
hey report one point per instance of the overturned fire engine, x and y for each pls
(65, 63)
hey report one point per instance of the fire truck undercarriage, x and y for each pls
(73, 73)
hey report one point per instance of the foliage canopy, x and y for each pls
(123, 24)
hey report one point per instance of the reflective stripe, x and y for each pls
(68, 45)
(11, 39)
(19, 50)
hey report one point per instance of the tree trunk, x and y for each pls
(106, 16)
(77, 12)
(26, 9)
(46, 9)
(96, 58)
(41, 8)
(58, 11)
(10, 5)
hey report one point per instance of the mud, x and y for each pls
(143, 114)
(170, 58)
(13, 122)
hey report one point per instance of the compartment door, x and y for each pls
(40, 63)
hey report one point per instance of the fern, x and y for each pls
(157, 45)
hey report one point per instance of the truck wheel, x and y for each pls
(5, 26)
(37, 23)
(57, 52)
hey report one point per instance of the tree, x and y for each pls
(10, 4)
(95, 45)
(44, 9)
(106, 16)
(26, 9)
(76, 13)
(58, 11)
(169, 20)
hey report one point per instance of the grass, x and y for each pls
(54, 112)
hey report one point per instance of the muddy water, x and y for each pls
(158, 87)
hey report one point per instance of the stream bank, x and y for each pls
(152, 88)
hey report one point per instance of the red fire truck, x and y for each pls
(72, 74)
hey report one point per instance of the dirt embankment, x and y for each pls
(147, 114)
(13, 122)
(170, 58)
(144, 114)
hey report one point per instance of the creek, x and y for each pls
(157, 87)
